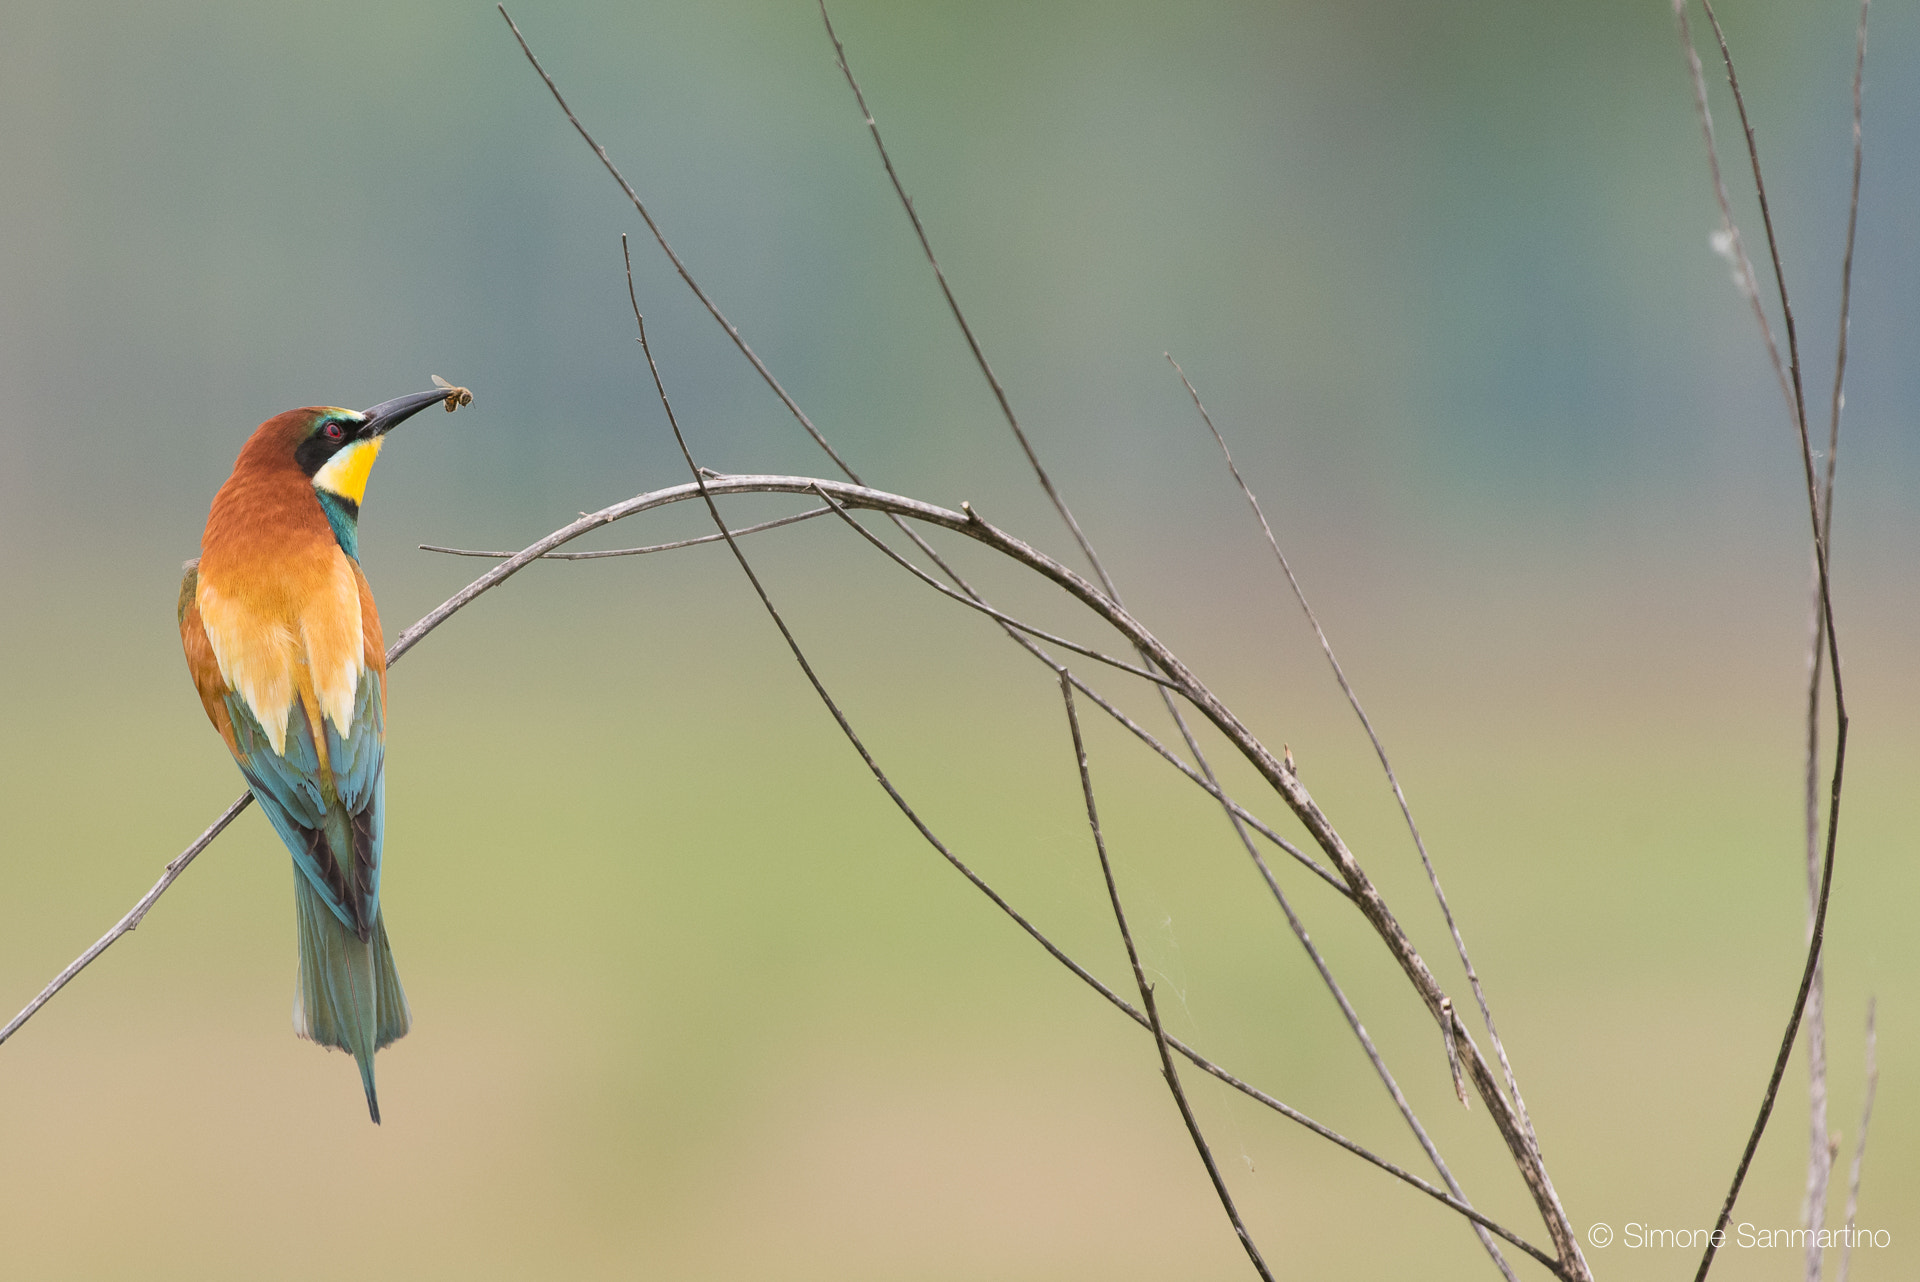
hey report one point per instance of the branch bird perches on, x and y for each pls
(858, 497)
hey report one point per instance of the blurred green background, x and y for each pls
(691, 999)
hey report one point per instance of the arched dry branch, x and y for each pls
(1172, 671)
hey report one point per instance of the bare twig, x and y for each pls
(959, 317)
(1860, 1145)
(1366, 896)
(1766, 218)
(675, 546)
(1242, 821)
(1453, 1052)
(134, 915)
(1167, 1069)
(1736, 247)
(1796, 406)
(1839, 399)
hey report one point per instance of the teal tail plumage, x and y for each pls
(347, 994)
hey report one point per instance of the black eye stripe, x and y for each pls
(326, 439)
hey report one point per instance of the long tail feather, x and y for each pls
(347, 993)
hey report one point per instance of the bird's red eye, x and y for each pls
(333, 431)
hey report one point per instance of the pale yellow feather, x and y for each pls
(260, 651)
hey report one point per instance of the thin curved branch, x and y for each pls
(1167, 1069)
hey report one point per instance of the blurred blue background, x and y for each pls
(691, 1000)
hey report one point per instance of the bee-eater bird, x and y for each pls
(285, 649)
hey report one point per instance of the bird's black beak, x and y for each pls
(387, 415)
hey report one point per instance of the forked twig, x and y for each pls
(812, 430)
(1167, 1069)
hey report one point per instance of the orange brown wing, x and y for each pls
(205, 670)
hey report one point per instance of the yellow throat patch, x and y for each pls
(346, 473)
